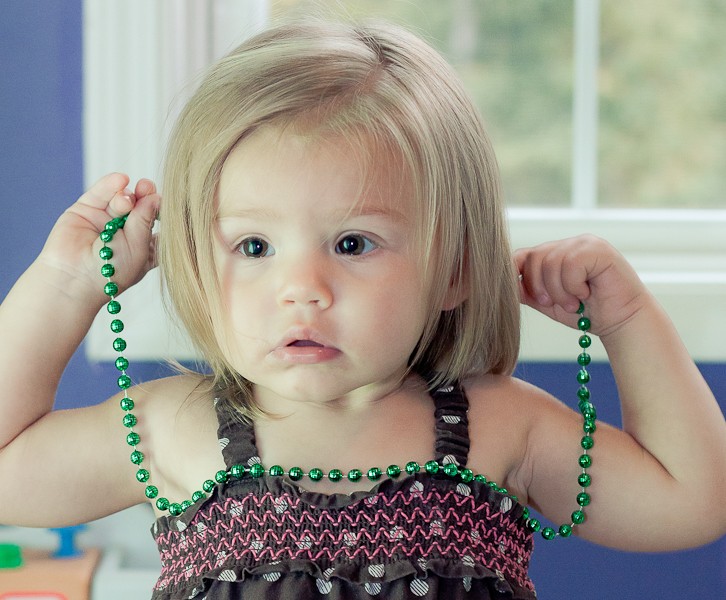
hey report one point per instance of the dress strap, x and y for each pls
(236, 437)
(452, 424)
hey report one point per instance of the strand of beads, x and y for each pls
(257, 470)
(587, 410)
(133, 439)
(119, 345)
(373, 474)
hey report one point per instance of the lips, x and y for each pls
(305, 346)
(303, 337)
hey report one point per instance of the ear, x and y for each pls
(458, 290)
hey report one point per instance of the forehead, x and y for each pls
(281, 162)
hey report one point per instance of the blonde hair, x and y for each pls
(381, 88)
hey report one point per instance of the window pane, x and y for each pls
(515, 58)
(663, 104)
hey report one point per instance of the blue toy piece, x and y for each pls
(67, 537)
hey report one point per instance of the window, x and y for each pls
(607, 118)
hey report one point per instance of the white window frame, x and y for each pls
(134, 85)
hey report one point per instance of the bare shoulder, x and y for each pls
(507, 398)
(171, 397)
(505, 414)
(178, 428)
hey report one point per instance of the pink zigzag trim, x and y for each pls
(236, 534)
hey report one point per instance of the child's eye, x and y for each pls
(354, 244)
(255, 248)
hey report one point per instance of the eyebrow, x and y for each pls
(266, 214)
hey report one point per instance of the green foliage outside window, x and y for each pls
(662, 91)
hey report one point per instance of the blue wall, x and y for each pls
(41, 173)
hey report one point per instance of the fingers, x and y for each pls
(145, 187)
(553, 274)
(101, 193)
(111, 195)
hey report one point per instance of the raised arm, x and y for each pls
(48, 312)
(660, 483)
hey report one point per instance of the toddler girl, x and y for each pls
(333, 239)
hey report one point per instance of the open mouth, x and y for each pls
(305, 344)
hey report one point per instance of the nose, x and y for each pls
(306, 283)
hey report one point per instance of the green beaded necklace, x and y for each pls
(373, 474)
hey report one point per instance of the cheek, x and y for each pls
(402, 308)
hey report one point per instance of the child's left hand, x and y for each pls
(556, 276)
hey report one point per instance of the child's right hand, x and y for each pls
(73, 244)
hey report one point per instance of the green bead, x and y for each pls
(354, 474)
(565, 531)
(583, 499)
(133, 439)
(503, 490)
(105, 253)
(108, 270)
(583, 376)
(186, 504)
(584, 359)
(493, 485)
(432, 467)
(588, 410)
(587, 442)
(276, 471)
(129, 420)
(110, 289)
(589, 426)
(296, 473)
(198, 495)
(151, 491)
(117, 325)
(584, 480)
(316, 474)
(393, 471)
(467, 475)
(257, 470)
(451, 470)
(578, 517)
(412, 467)
(106, 236)
(583, 393)
(208, 485)
(127, 404)
(534, 525)
(142, 475)
(122, 363)
(585, 461)
(581, 308)
(114, 307)
(137, 457)
(119, 344)
(374, 474)
(525, 513)
(175, 509)
(585, 341)
(237, 471)
(480, 479)
(548, 533)
(162, 503)
(335, 475)
(221, 476)
(120, 221)
(124, 382)
(583, 323)
(111, 226)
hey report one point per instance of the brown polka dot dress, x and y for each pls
(416, 536)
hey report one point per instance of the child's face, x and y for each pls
(322, 292)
